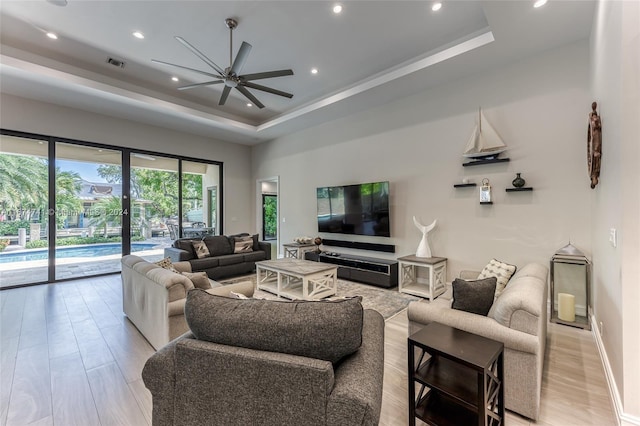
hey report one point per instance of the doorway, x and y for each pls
(268, 212)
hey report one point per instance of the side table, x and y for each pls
(436, 276)
(297, 250)
(460, 376)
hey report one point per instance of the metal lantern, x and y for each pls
(485, 191)
(570, 287)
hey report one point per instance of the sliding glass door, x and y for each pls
(89, 212)
(24, 210)
(154, 204)
(71, 209)
(200, 182)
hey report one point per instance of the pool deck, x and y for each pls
(35, 271)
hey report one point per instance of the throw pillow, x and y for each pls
(200, 249)
(328, 330)
(474, 296)
(256, 246)
(502, 271)
(166, 264)
(243, 244)
(199, 279)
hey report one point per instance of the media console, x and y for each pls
(368, 270)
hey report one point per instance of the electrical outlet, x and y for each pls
(601, 328)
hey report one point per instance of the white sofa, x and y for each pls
(518, 318)
(154, 297)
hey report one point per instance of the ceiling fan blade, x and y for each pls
(186, 68)
(225, 95)
(206, 83)
(200, 55)
(268, 74)
(241, 57)
(249, 96)
(267, 89)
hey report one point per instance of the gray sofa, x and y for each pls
(518, 318)
(255, 365)
(153, 298)
(222, 261)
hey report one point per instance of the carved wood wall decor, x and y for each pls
(594, 145)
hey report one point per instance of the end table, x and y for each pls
(436, 276)
(460, 375)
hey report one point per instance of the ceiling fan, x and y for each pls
(230, 76)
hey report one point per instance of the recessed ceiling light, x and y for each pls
(52, 36)
(175, 79)
(539, 3)
(436, 6)
(314, 70)
(138, 34)
(249, 104)
(337, 8)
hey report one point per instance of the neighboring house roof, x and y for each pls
(97, 191)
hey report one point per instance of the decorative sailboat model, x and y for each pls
(484, 143)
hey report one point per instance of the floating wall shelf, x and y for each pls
(486, 202)
(524, 188)
(480, 162)
(464, 185)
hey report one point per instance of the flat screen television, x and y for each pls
(361, 209)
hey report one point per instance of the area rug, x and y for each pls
(386, 301)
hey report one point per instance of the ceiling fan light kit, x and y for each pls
(230, 76)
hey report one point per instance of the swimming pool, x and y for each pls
(90, 250)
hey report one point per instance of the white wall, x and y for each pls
(538, 106)
(27, 115)
(615, 85)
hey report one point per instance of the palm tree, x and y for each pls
(108, 211)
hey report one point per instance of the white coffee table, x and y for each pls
(297, 278)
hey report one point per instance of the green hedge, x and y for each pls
(11, 228)
(74, 241)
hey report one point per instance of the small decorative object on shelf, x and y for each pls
(518, 182)
(317, 241)
(485, 192)
(423, 248)
(303, 240)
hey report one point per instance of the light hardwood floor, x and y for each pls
(68, 356)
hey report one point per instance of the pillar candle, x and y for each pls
(566, 307)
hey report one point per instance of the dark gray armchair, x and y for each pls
(199, 382)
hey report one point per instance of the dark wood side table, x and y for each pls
(460, 377)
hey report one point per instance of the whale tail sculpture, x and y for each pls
(423, 248)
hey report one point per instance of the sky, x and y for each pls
(87, 171)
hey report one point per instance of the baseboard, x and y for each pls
(622, 418)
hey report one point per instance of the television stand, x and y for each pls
(368, 270)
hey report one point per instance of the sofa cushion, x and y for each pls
(230, 259)
(242, 244)
(204, 263)
(254, 256)
(327, 330)
(218, 245)
(474, 296)
(199, 279)
(502, 271)
(200, 249)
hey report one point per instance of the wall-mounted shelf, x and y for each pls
(486, 202)
(524, 188)
(480, 162)
(464, 185)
